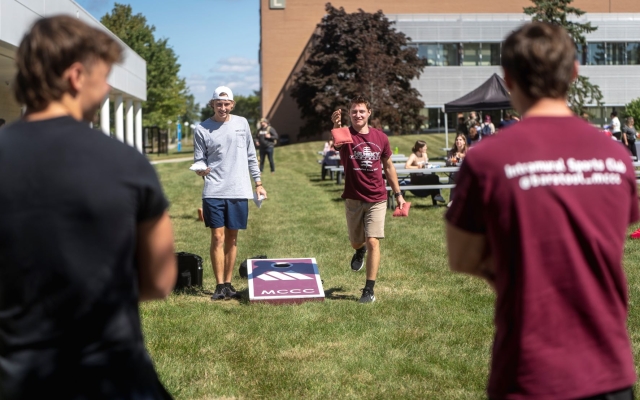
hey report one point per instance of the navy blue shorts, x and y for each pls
(230, 213)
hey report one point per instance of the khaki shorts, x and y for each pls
(365, 220)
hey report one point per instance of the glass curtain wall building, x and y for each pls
(463, 50)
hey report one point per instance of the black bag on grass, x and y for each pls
(189, 270)
(243, 265)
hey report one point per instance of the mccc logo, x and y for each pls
(286, 291)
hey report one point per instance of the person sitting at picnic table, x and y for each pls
(458, 151)
(454, 157)
(328, 160)
(418, 157)
(473, 138)
(328, 146)
(419, 160)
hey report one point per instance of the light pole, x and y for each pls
(179, 134)
(169, 129)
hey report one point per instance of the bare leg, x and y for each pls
(217, 253)
(357, 246)
(230, 250)
(373, 258)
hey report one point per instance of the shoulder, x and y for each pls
(236, 119)
(380, 135)
(205, 125)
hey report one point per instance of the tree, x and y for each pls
(358, 53)
(633, 110)
(246, 106)
(166, 91)
(582, 92)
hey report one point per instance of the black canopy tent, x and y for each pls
(491, 95)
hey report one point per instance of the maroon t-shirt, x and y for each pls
(362, 166)
(555, 199)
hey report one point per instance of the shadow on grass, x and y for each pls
(185, 216)
(193, 291)
(333, 294)
(338, 200)
(427, 206)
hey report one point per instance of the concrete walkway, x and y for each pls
(172, 160)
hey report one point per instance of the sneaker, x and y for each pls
(231, 292)
(367, 296)
(449, 204)
(357, 261)
(439, 198)
(635, 235)
(219, 294)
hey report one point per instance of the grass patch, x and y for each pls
(427, 336)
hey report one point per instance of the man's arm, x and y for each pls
(254, 169)
(200, 150)
(157, 269)
(392, 179)
(469, 253)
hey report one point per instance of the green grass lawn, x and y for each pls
(427, 336)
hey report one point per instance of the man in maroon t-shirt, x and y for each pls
(533, 217)
(365, 192)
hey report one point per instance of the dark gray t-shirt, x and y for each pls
(70, 202)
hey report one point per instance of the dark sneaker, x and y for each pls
(367, 296)
(219, 294)
(357, 261)
(439, 198)
(231, 292)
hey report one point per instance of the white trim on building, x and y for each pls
(128, 80)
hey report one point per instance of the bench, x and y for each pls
(391, 199)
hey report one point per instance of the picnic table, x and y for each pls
(403, 173)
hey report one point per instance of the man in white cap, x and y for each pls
(225, 144)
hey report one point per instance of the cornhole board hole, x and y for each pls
(284, 281)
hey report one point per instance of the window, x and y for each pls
(429, 52)
(615, 53)
(450, 54)
(581, 53)
(633, 53)
(438, 54)
(485, 54)
(494, 49)
(596, 53)
(471, 54)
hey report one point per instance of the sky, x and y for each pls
(216, 41)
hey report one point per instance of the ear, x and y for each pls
(75, 75)
(574, 73)
(507, 80)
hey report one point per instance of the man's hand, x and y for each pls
(204, 173)
(401, 201)
(261, 192)
(336, 118)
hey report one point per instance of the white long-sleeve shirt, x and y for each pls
(227, 148)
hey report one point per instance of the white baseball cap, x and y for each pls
(222, 89)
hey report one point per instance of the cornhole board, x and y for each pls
(284, 280)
